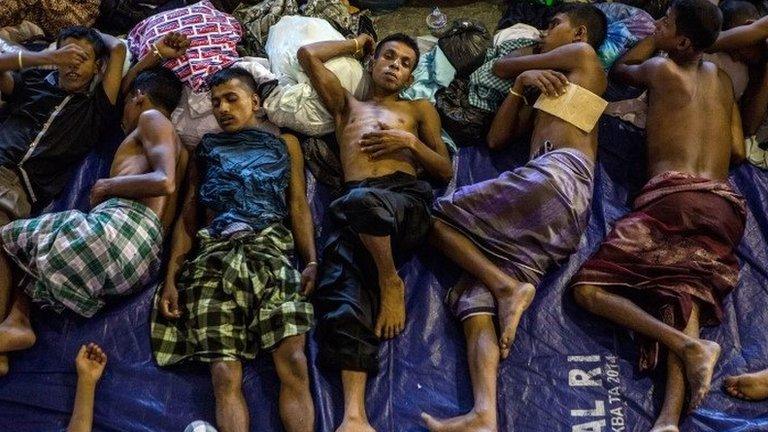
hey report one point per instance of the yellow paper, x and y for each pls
(578, 106)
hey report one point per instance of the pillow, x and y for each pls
(213, 39)
(296, 104)
(627, 25)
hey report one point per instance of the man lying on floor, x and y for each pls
(237, 293)
(54, 119)
(384, 143)
(78, 261)
(666, 267)
(508, 231)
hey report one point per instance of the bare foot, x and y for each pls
(16, 335)
(699, 359)
(391, 319)
(751, 387)
(355, 425)
(665, 428)
(470, 422)
(512, 301)
(3, 365)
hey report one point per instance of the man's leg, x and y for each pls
(698, 356)
(512, 296)
(355, 417)
(16, 331)
(297, 410)
(391, 319)
(231, 410)
(750, 386)
(674, 392)
(6, 287)
(483, 356)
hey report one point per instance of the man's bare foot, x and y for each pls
(391, 319)
(3, 365)
(665, 428)
(16, 335)
(699, 359)
(470, 422)
(355, 425)
(751, 387)
(512, 302)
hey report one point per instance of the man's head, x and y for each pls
(156, 88)
(394, 60)
(575, 23)
(235, 99)
(78, 78)
(738, 13)
(689, 27)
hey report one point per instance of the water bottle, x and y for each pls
(436, 21)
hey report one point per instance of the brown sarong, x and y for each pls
(676, 247)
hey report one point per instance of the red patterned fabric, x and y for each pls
(676, 247)
(213, 38)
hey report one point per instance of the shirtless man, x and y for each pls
(78, 261)
(666, 266)
(384, 143)
(508, 231)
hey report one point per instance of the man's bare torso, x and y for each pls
(130, 159)
(689, 122)
(562, 134)
(364, 117)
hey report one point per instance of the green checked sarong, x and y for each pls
(238, 295)
(76, 260)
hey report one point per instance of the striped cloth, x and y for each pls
(486, 90)
(239, 294)
(75, 260)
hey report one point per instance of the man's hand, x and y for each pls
(90, 363)
(68, 55)
(365, 44)
(308, 279)
(169, 301)
(173, 45)
(385, 141)
(551, 83)
(99, 192)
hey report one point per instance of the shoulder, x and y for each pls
(154, 121)
(582, 51)
(291, 144)
(422, 108)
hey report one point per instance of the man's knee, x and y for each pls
(227, 376)
(291, 362)
(587, 296)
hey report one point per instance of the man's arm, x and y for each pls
(181, 243)
(90, 363)
(738, 149)
(159, 142)
(114, 73)
(301, 218)
(638, 67)
(754, 101)
(741, 36)
(312, 58)
(171, 46)
(565, 58)
(70, 55)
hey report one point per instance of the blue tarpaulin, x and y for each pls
(568, 371)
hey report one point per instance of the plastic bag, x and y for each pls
(463, 122)
(464, 44)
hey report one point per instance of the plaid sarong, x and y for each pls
(239, 294)
(486, 90)
(75, 260)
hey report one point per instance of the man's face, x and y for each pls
(234, 105)
(392, 68)
(665, 34)
(78, 78)
(559, 32)
(131, 111)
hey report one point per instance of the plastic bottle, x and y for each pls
(436, 21)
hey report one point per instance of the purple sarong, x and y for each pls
(525, 220)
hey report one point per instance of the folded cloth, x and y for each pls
(241, 294)
(347, 298)
(525, 220)
(75, 260)
(676, 247)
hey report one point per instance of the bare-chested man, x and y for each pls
(665, 268)
(78, 261)
(384, 143)
(508, 231)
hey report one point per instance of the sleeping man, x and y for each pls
(384, 143)
(666, 267)
(506, 232)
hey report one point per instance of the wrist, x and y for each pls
(86, 383)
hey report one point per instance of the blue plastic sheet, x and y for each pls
(568, 371)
